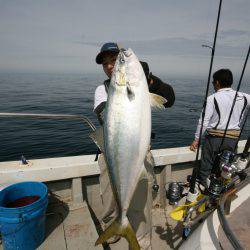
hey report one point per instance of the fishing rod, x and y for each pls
(234, 101)
(52, 116)
(214, 198)
(196, 167)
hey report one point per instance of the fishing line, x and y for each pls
(196, 167)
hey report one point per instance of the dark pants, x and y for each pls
(210, 150)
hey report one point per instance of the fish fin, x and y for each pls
(117, 228)
(131, 95)
(144, 173)
(157, 101)
(97, 137)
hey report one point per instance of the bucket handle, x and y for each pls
(11, 220)
(18, 221)
(23, 218)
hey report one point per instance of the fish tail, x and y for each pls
(121, 229)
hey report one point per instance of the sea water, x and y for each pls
(74, 94)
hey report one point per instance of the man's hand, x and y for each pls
(194, 145)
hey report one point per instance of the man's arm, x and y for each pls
(99, 110)
(168, 92)
(208, 114)
(163, 89)
(248, 100)
(99, 102)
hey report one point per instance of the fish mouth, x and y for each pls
(121, 78)
(127, 53)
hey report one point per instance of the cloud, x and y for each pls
(168, 46)
(61, 34)
(178, 46)
(232, 33)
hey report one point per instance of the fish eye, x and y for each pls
(122, 60)
(127, 53)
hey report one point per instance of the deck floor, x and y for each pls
(74, 229)
(67, 229)
(165, 233)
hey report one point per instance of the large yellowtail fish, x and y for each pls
(127, 130)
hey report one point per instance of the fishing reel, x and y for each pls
(215, 186)
(174, 192)
(231, 165)
(227, 166)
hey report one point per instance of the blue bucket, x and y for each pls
(23, 227)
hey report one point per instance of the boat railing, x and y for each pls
(79, 172)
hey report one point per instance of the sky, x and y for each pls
(65, 36)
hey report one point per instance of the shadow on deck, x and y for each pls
(75, 230)
(68, 229)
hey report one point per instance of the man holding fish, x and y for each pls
(126, 164)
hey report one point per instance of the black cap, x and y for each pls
(107, 47)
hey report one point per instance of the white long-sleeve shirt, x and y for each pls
(217, 117)
(100, 95)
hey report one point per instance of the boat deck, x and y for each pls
(74, 182)
(67, 229)
(75, 229)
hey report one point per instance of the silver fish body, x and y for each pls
(127, 127)
(127, 130)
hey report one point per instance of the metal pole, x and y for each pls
(196, 167)
(52, 116)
